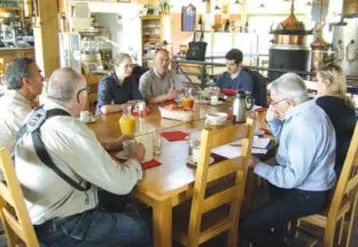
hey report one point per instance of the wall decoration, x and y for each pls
(188, 14)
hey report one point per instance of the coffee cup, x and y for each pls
(195, 154)
(85, 116)
(127, 147)
(140, 106)
(214, 100)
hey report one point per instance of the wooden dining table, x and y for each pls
(165, 186)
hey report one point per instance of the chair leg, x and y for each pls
(232, 239)
(341, 230)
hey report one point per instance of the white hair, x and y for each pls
(291, 86)
(63, 85)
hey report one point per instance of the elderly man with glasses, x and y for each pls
(303, 174)
(62, 197)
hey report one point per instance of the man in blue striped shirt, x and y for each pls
(303, 175)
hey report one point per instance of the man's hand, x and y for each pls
(116, 144)
(252, 161)
(137, 152)
(172, 94)
(272, 114)
(132, 102)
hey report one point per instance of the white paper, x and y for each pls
(257, 142)
(174, 153)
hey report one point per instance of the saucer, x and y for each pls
(91, 120)
(122, 155)
(191, 161)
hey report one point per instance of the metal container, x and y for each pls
(288, 57)
(350, 8)
(345, 46)
(242, 104)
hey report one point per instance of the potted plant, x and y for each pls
(164, 7)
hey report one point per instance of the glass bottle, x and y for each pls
(127, 122)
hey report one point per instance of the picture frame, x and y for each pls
(188, 18)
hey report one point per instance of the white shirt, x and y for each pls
(75, 150)
(14, 108)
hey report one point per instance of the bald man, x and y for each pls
(61, 213)
(161, 84)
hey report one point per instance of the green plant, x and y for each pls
(164, 7)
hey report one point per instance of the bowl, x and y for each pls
(217, 118)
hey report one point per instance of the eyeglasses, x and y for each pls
(278, 101)
(80, 91)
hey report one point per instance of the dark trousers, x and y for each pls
(266, 226)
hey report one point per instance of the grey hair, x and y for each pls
(16, 71)
(292, 86)
(63, 85)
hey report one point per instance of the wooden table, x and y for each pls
(165, 186)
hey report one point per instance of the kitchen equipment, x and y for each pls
(289, 50)
(243, 103)
(345, 45)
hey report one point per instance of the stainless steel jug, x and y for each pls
(243, 103)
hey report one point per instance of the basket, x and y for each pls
(185, 116)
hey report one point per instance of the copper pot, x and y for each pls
(291, 39)
(350, 7)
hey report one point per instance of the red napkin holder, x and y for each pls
(150, 164)
(174, 135)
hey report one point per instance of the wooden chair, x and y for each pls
(13, 211)
(210, 215)
(343, 203)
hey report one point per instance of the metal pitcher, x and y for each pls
(242, 104)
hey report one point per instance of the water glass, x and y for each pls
(157, 142)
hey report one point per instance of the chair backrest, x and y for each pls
(13, 211)
(232, 194)
(347, 185)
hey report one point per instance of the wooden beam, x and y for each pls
(46, 36)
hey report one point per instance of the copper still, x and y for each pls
(291, 31)
(289, 50)
(350, 8)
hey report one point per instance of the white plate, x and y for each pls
(122, 155)
(191, 161)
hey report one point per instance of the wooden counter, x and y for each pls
(9, 54)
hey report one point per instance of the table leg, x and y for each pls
(162, 223)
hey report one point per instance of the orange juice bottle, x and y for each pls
(127, 122)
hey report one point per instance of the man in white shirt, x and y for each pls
(24, 83)
(160, 84)
(60, 213)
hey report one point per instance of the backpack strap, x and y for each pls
(33, 124)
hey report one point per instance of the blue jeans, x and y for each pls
(95, 228)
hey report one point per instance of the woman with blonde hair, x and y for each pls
(333, 99)
(119, 87)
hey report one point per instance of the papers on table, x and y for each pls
(233, 149)
(174, 153)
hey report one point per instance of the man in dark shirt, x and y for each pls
(235, 77)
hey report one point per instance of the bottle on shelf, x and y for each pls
(227, 26)
(246, 29)
(200, 24)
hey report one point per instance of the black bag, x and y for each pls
(197, 49)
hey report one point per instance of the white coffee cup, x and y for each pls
(214, 100)
(195, 153)
(85, 116)
(140, 106)
(127, 147)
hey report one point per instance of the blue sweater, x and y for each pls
(242, 82)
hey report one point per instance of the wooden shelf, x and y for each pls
(151, 23)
